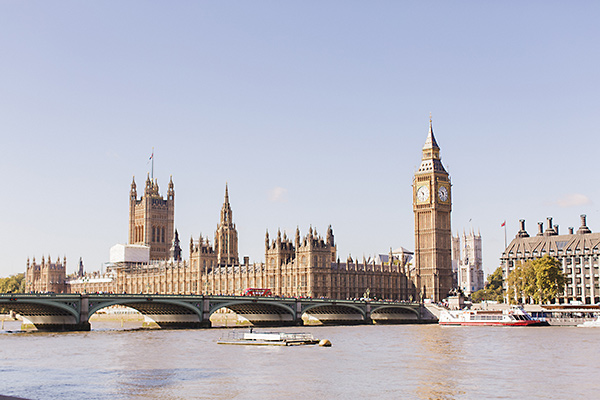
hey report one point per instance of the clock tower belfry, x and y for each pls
(432, 205)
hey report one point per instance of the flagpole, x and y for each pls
(505, 234)
(153, 164)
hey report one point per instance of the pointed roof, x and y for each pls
(431, 161)
(430, 143)
(226, 193)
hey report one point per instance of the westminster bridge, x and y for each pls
(72, 312)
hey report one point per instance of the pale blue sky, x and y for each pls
(314, 112)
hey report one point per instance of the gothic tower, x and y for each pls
(432, 206)
(152, 218)
(226, 238)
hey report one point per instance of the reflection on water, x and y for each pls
(441, 354)
(383, 362)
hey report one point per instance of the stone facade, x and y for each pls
(46, 276)
(305, 267)
(94, 282)
(578, 252)
(467, 264)
(151, 218)
(432, 205)
(308, 267)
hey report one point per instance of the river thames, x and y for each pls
(378, 361)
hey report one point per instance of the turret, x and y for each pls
(148, 188)
(133, 191)
(171, 191)
(330, 238)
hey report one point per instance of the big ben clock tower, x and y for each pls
(433, 235)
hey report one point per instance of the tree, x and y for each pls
(493, 288)
(536, 281)
(519, 283)
(13, 284)
(550, 280)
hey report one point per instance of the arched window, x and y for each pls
(153, 233)
(163, 235)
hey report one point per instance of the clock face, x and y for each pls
(423, 193)
(443, 193)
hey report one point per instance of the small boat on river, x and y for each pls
(272, 339)
(512, 317)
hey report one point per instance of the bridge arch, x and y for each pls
(258, 312)
(163, 312)
(33, 307)
(144, 306)
(395, 314)
(335, 313)
(48, 313)
(383, 307)
(232, 305)
(360, 310)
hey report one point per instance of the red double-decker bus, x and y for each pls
(257, 292)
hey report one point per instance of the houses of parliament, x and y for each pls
(300, 266)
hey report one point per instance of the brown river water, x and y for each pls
(365, 362)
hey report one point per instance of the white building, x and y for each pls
(467, 266)
(577, 251)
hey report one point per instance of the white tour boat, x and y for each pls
(511, 317)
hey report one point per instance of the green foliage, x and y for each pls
(493, 288)
(495, 280)
(536, 281)
(519, 282)
(550, 280)
(13, 284)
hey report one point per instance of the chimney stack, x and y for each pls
(583, 229)
(522, 232)
(550, 230)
